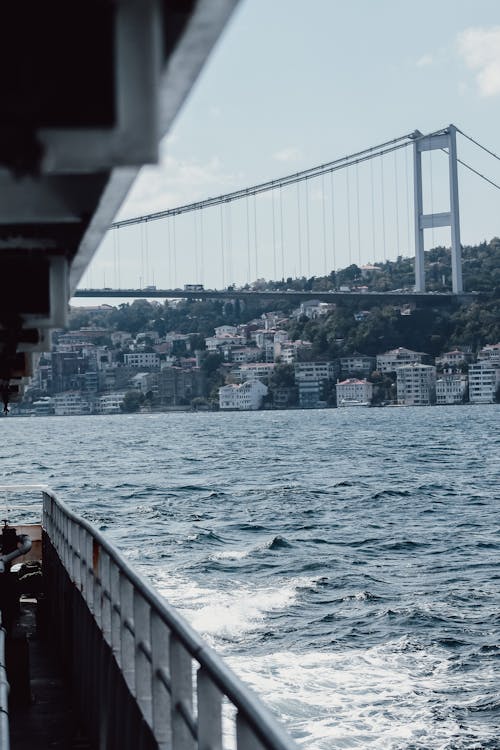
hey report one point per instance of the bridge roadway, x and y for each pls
(420, 299)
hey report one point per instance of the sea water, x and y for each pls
(344, 562)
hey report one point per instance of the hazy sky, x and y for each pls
(293, 84)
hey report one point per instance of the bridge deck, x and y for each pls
(431, 299)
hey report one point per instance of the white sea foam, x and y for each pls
(379, 698)
(235, 554)
(227, 614)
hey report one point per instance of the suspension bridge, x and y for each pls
(381, 203)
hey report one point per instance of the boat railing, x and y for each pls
(124, 631)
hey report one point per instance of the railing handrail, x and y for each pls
(266, 727)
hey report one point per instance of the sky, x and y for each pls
(290, 85)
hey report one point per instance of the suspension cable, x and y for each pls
(469, 138)
(479, 174)
(341, 163)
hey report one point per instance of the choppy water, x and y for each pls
(345, 562)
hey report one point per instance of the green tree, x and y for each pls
(132, 402)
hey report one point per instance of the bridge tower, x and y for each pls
(445, 140)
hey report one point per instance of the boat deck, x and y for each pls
(45, 718)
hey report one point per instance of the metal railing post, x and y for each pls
(181, 672)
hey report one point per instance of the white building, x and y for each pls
(141, 359)
(454, 358)
(43, 406)
(214, 343)
(244, 397)
(416, 384)
(109, 403)
(392, 360)
(484, 379)
(70, 403)
(313, 309)
(451, 388)
(354, 392)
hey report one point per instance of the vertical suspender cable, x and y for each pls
(255, 240)
(196, 274)
(348, 191)
(382, 198)
(229, 243)
(323, 206)
(223, 262)
(299, 233)
(274, 237)
(146, 252)
(169, 254)
(308, 234)
(396, 190)
(281, 235)
(174, 245)
(141, 233)
(333, 223)
(372, 187)
(202, 248)
(358, 215)
(249, 265)
(115, 258)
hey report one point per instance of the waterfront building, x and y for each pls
(484, 379)
(354, 392)
(310, 394)
(109, 403)
(392, 360)
(451, 388)
(43, 406)
(311, 377)
(141, 359)
(244, 397)
(416, 384)
(71, 403)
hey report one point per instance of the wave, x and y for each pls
(388, 697)
(228, 615)
(278, 543)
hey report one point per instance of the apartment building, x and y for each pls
(484, 379)
(392, 360)
(451, 388)
(416, 384)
